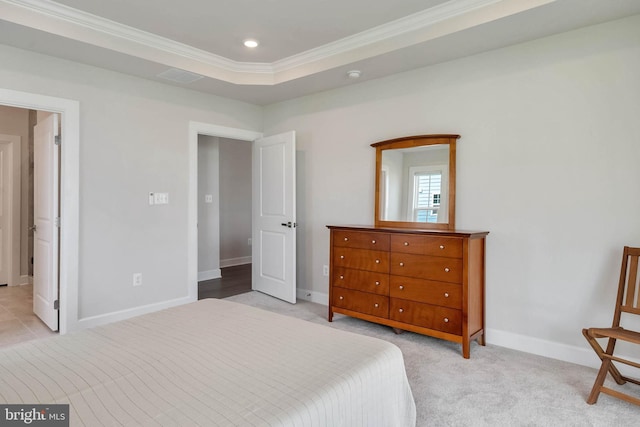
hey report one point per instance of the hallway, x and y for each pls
(17, 321)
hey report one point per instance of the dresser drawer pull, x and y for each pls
(341, 256)
(402, 264)
(341, 277)
(441, 246)
(401, 310)
(346, 239)
(377, 283)
(377, 261)
(446, 320)
(340, 297)
(446, 294)
(406, 243)
(401, 287)
(446, 269)
(373, 241)
(376, 305)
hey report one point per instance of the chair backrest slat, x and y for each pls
(631, 310)
(630, 300)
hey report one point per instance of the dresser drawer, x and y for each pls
(361, 240)
(367, 281)
(362, 302)
(430, 268)
(426, 291)
(426, 315)
(361, 259)
(427, 245)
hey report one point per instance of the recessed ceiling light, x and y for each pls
(354, 74)
(251, 43)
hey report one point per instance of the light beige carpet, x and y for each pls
(496, 387)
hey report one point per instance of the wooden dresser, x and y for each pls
(426, 281)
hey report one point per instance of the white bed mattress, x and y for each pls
(213, 363)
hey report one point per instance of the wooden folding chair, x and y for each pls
(628, 301)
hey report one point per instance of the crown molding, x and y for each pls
(74, 24)
(404, 25)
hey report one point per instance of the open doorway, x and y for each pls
(273, 255)
(224, 216)
(18, 321)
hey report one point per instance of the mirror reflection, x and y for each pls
(414, 184)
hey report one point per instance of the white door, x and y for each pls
(274, 216)
(45, 211)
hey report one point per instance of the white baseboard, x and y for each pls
(90, 322)
(317, 297)
(230, 262)
(554, 350)
(26, 280)
(208, 275)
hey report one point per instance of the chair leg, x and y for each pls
(617, 376)
(602, 373)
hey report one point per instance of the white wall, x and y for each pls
(208, 213)
(235, 201)
(133, 140)
(547, 162)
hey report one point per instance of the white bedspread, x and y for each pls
(213, 363)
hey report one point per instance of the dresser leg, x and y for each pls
(398, 331)
(330, 317)
(466, 353)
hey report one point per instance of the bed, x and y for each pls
(213, 363)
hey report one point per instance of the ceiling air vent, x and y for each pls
(179, 76)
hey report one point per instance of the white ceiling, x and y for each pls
(306, 46)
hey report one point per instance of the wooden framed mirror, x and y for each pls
(416, 182)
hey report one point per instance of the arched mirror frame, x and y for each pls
(410, 142)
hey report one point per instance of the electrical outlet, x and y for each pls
(137, 279)
(325, 270)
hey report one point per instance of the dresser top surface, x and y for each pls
(459, 233)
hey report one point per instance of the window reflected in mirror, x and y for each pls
(414, 183)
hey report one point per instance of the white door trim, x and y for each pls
(69, 194)
(15, 147)
(195, 129)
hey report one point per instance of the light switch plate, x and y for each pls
(161, 198)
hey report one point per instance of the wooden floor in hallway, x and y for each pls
(235, 280)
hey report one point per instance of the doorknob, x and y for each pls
(287, 224)
(32, 228)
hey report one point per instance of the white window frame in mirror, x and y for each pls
(443, 211)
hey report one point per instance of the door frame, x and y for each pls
(69, 111)
(195, 129)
